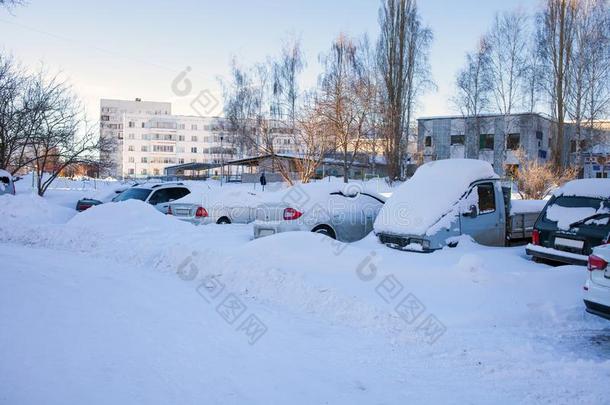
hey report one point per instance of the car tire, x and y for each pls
(325, 230)
(223, 221)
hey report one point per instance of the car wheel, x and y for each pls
(325, 230)
(223, 221)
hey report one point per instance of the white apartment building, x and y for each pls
(149, 138)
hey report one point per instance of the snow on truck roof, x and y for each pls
(594, 188)
(429, 194)
(4, 173)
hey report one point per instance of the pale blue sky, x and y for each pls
(127, 49)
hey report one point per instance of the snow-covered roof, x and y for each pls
(429, 194)
(4, 173)
(601, 149)
(594, 188)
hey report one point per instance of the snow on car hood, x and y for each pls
(429, 194)
(594, 188)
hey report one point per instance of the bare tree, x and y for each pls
(12, 82)
(557, 22)
(507, 41)
(403, 49)
(345, 100)
(473, 90)
(597, 70)
(287, 68)
(60, 135)
(311, 138)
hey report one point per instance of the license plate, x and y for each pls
(571, 243)
(266, 232)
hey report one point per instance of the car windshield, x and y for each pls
(133, 194)
(572, 211)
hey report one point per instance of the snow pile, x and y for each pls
(430, 194)
(594, 188)
(126, 217)
(30, 209)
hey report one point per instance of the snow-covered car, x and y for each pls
(597, 286)
(342, 212)
(449, 198)
(159, 195)
(573, 222)
(216, 206)
(7, 184)
(88, 202)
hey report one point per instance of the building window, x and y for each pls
(181, 137)
(194, 127)
(181, 161)
(144, 172)
(131, 159)
(144, 148)
(144, 159)
(428, 141)
(486, 141)
(131, 136)
(194, 149)
(131, 171)
(181, 126)
(513, 141)
(143, 125)
(132, 124)
(163, 148)
(105, 118)
(457, 139)
(193, 138)
(601, 175)
(131, 148)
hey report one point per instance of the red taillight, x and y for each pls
(291, 214)
(201, 212)
(596, 263)
(535, 237)
(169, 210)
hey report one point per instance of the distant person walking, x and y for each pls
(263, 180)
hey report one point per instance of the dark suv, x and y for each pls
(573, 222)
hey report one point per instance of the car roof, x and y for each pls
(149, 186)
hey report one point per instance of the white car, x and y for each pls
(216, 207)
(597, 286)
(342, 212)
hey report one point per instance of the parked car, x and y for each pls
(448, 198)
(573, 222)
(217, 206)
(337, 211)
(7, 183)
(159, 195)
(597, 286)
(86, 203)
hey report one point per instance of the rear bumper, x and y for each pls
(262, 229)
(598, 309)
(545, 253)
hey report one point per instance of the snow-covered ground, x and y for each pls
(121, 304)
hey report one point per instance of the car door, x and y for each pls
(160, 199)
(346, 217)
(480, 215)
(370, 207)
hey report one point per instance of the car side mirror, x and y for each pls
(472, 212)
